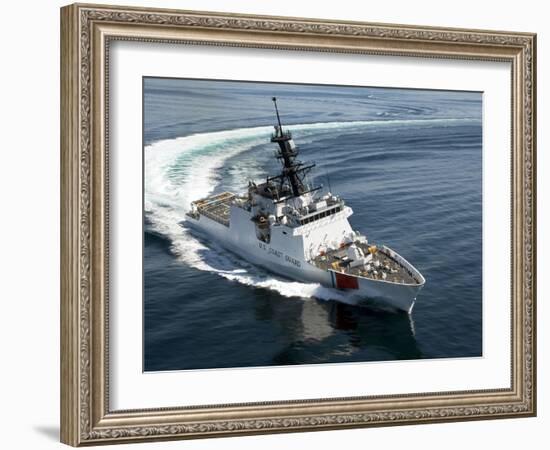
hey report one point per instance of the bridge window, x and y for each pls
(328, 212)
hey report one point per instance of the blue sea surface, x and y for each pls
(409, 164)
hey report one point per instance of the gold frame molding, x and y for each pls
(86, 31)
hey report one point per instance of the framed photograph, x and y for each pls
(276, 224)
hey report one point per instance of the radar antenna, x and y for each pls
(294, 171)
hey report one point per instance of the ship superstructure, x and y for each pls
(292, 228)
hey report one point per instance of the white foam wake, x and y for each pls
(179, 171)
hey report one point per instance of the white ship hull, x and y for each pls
(288, 227)
(280, 260)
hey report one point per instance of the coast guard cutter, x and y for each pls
(291, 228)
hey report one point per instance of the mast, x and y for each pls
(277, 112)
(293, 171)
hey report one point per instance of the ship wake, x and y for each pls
(179, 171)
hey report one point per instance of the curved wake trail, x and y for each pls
(179, 171)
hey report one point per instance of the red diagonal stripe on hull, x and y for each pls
(344, 281)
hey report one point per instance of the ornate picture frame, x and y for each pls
(86, 34)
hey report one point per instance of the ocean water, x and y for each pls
(408, 162)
